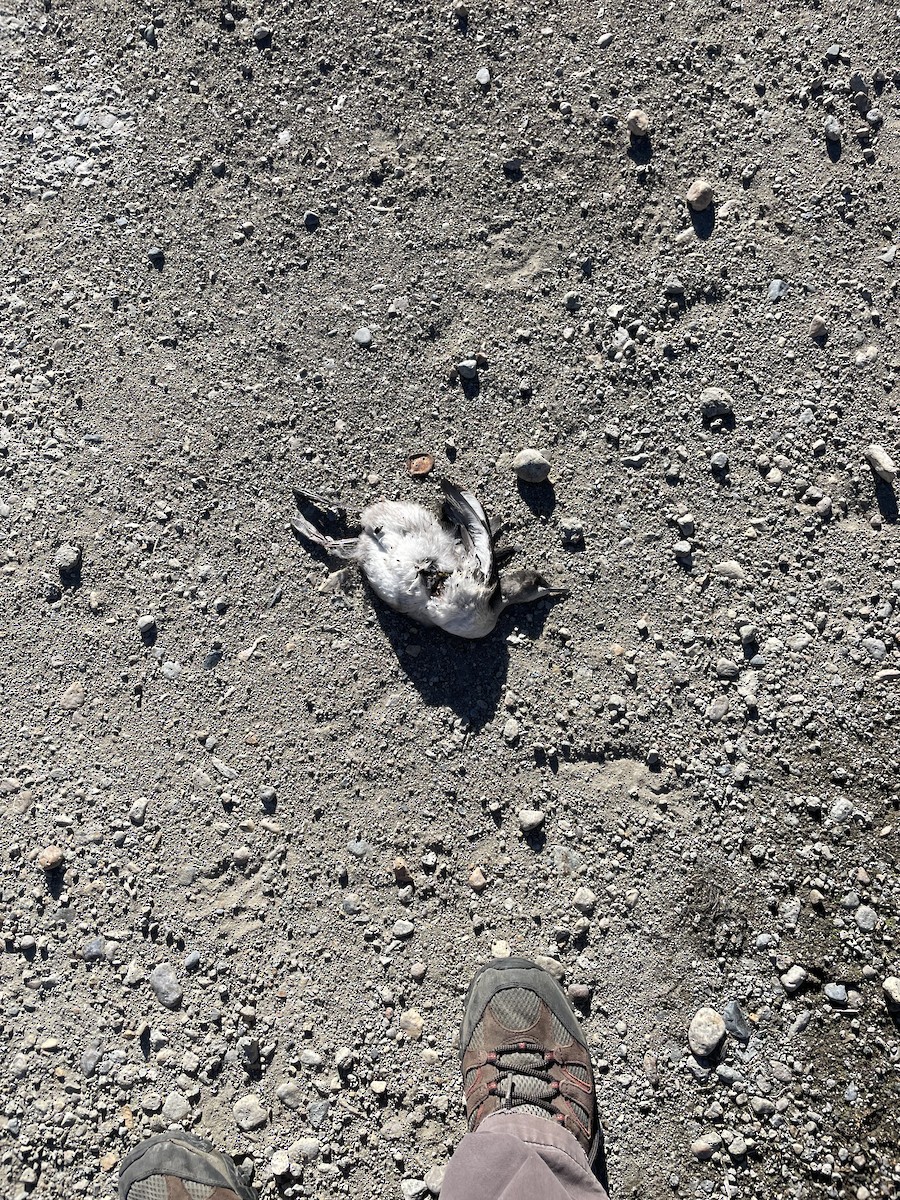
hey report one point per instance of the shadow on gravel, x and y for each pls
(641, 150)
(540, 497)
(704, 222)
(467, 677)
(887, 501)
(833, 149)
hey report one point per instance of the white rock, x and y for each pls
(530, 819)
(705, 1033)
(881, 462)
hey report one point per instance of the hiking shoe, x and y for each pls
(179, 1166)
(522, 1048)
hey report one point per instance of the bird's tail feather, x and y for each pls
(340, 547)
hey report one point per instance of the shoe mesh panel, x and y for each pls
(197, 1191)
(579, 1072)
(516, 1008)
(154, 1187)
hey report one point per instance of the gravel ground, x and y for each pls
(257, 832)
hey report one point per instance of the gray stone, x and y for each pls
(165, 985)
(317, 1113)
(68, 559)
(777, 290)
(483, 77)
(468, 368)
(891, 990)
(363, 337)
(434, 1178)
(866, 918)
(836, 993)
(637, 123)
(249, 1113)
(531, 466)
(176, 1108)
(715, 402)
(700, 195)
(832, 129)
(736, 1022)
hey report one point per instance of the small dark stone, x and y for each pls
(736, 1022)
(156, 257)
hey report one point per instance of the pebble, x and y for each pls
(836, 993)
(866, 918)
(477, 880)
(280, 1163)
(818, 327)
(73, 697)
(531, 819)
(51, 858)
(156, 257)
(483, 77)
(571, 531)
(403, 928)
(363, 337)
(467, 368)
(736, 1022)
(881, 462)
(68, 560)
(531, 466)
(146, 625)
(511, 731)
(434, 1178)
(289, 1094)
(165, 985)
(715, 402)
(308, 1149)
(832, 129)
(891, 990)
(411, 1023)
(719, 461)
(249, 1113)
(585, 901)
(700, 195)
(413, 1189)
(637, 123)
(705, 1033)
(777, 290)
(727, 669)
(311, 221)
(175, 1108)
(793, 979)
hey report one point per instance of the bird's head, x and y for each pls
(522, 587)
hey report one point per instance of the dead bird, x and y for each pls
(438, 568)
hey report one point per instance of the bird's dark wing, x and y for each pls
(463, 509)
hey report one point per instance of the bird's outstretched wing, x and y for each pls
(463, 509)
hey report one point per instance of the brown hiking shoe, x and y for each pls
(179, 1166)
(522, 1048)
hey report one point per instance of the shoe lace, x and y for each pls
(525, 1060)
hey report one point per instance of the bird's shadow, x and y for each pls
(465, 676)
(704, 222)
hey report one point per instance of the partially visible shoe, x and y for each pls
(522, 1049)
(179, 1166)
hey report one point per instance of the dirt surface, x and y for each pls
(199, 209)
